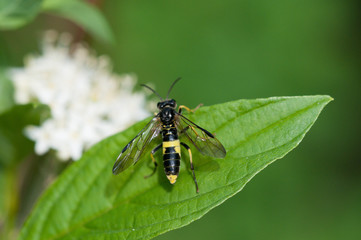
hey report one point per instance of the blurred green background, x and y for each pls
(227, 50)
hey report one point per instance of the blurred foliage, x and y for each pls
(14, 146)
(14, 14)
(248, 49)
(15, 149)
(84, 14)
(6, 91)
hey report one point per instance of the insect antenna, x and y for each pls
(172, 86)
(143, 85)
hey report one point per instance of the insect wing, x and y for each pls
(135, 148)
(203, 140)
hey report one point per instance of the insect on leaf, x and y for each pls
(88, 202)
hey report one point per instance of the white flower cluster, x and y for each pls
(87, 101)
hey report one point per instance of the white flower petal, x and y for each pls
(88, 102)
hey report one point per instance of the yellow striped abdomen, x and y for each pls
(171, 153)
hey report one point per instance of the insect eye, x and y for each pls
(172, 102)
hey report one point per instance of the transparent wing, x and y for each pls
(203, 140)
(135, 148)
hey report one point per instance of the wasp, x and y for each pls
(172, 126)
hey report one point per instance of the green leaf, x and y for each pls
(8, 200)
(88, 202)
(84, 14)
(16, 13)
(6, 92)
(13, 144)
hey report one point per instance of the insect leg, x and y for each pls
(195, 132)
(188, 109)
(192, 168)
(153, 160)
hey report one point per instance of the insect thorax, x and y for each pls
(167, 115)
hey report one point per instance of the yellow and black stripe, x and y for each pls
(171, 152)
